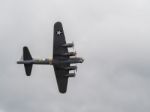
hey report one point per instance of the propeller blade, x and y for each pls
(76, 68)
(73, 46)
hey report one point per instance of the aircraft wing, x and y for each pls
(59, 40)
(62, 81)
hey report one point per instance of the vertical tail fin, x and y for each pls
(27, 56)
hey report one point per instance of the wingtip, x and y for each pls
(57, 23)
(28, 74)
(63, 91)
(25, 47)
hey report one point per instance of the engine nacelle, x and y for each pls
(71, 68)
(68, 45)
(70, 75)
(73, 60)
(69, 54)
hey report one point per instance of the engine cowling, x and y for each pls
(69, 54)
(68, 45)
(70, 75)
(71, 68)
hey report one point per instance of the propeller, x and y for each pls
(21, 57)
(74, 72)
(76, 69)
(73, 45)
(74, 50)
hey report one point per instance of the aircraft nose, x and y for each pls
(81, 60)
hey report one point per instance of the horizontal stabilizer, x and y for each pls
(28, 69)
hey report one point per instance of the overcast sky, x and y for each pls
(113, 37)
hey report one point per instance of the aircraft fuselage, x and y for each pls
(51, 61)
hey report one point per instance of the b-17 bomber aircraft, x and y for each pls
(61, 61)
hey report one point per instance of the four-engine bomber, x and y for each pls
(61, 61)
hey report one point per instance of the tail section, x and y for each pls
(27, 56)
(28, 69)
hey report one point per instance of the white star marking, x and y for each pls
(59, 32)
